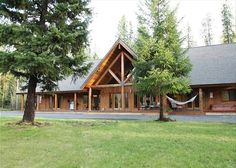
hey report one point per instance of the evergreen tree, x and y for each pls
(162, 66)
(207, 30)
(228, 33)
(125, 31)
(48, 37)
(189, 37)
(7, 91)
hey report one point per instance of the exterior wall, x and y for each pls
(216, 98)
(207, 101)
(105, 95)
(44, 104)
(211, 97)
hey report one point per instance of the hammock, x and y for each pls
(172, 101)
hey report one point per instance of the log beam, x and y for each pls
(128, 77)
(127, 56)
(113, 62)
(122, 83)
(114, 76)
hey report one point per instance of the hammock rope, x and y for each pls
(179, 102)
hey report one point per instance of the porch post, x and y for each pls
(122, 83)
(75, 101)
(131, 100)
(22, 102)
(37, 102)
(138, 102)
(55, 102)
(201, 99)
(90, 99)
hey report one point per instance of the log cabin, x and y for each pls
(108, 86)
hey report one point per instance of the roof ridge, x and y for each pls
(213, 45)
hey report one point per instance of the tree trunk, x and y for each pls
(161, 117)
(29, 111)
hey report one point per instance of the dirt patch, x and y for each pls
(166, 120)
(28, 124)
(90, 123)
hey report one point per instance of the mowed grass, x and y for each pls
(101, 144)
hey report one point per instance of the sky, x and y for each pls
(107, 13)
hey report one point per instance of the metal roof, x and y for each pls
(69, 85)
(214, 64)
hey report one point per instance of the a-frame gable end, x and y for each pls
(105, 67)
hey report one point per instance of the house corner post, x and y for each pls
(201, 99)
(75, 101)
(55, 102)
(22, 102)
(90, 100)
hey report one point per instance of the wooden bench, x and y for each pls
(223, 107)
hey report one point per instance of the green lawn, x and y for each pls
(86, 143)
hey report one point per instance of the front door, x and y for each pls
(117, 101)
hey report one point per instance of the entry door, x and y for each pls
(117, 101)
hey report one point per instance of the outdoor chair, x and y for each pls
(143, 106)
(153, 105)
(175, 106)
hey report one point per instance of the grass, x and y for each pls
(101, 144)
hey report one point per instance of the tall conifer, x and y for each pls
(48, 38)
(162, 66)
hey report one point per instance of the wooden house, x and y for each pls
(108, 86)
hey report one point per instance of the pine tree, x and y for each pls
(7, 91)
(228, 33)
(48, 38)
(207, 30)
(125, 31)
(162, 66)
(189, 37)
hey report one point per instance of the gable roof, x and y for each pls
(214, 64)
(68, 85)
(105, 59)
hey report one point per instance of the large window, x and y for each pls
(229, 95)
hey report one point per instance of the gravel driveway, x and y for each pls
(123, 116)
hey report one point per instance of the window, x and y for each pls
(126, 100)
(59, 101)
(51, 102)
(110, 100)
(229, 95)
(85, 99)
(135, 101)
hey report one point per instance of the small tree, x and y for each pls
(125, 31)
(162, 66)
(207, 30)
(228, 33)
(48, 39)
(189, 37)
